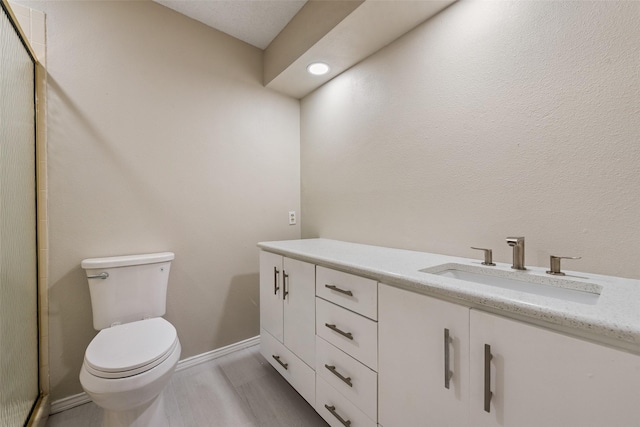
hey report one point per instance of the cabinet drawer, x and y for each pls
(351, 378)
(294, 370)
(336, 410)
(354, 334)
(353, 292)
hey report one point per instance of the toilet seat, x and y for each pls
(131, 348)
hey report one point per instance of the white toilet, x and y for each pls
(128, 364)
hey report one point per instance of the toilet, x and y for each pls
(129, 363)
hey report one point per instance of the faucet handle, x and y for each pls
(488, 255)
(555, 264)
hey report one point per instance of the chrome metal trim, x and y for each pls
(487, 378)
(285, 276)
(277, 358)
(554, 262)
(337, 289)
(517, 243)
(488, 256)
(343, 333)
(102, 275)
(332, 369)
(332, 409)
(275, 280)
(447, 372)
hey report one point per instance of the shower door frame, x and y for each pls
(41, 407)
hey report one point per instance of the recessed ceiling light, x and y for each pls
(318, 68)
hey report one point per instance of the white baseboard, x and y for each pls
(214, 354)
(69, 402)
(82, 398)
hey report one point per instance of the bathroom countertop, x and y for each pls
(615, 316)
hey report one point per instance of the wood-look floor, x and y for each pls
(240, 389)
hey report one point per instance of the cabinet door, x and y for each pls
(271, 316)
(412, 365)
(543, 378)
(293, 369)
(298, 286)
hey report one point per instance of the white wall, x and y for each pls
(161, 138)
(491, 119)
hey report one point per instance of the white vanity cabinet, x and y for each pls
(423, 360)
(502, 372)
(364, 353)
(539, 377)
(287, 315)
(346, 349)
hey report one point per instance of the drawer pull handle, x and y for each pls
(275, 280)
(285, 276)
(277, 358)
(346, 380)
(487, 378)
(447, 372)
(343, 333)
(337, 289)
(332, 409)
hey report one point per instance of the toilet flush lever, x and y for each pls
(103, 276)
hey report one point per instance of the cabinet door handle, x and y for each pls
(337, 289)
(332, 409)
(275, 280)
(285, 276)
(277, 358)
(332, 369)
(487, 378)
(343, 333)
(447, 371)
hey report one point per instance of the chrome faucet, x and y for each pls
(517, 243)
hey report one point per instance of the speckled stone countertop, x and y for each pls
(615, 315)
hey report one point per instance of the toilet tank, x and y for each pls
(127, 288)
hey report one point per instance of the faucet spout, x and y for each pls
(517, 243)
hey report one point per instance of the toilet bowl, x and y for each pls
(129, 362)
(127, 367)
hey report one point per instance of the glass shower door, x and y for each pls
(19, 388)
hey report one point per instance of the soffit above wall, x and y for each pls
(313, 22)
(372, 25)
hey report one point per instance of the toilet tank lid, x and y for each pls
(126, 260)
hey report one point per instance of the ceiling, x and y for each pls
(256, 22)
(295, 33)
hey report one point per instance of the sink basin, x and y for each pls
(568, 290)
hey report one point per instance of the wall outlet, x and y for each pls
(292, 217)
